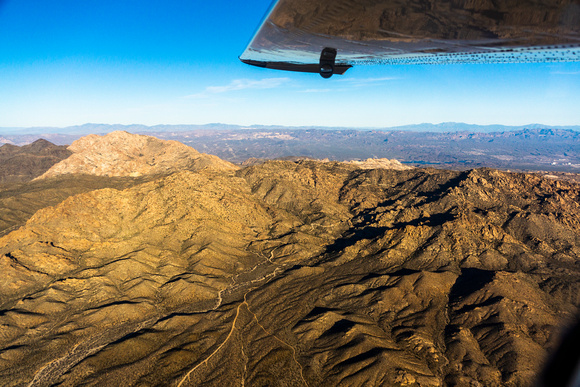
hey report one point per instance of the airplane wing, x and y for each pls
(330, 36)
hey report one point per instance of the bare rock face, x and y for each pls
(293, 273)
(380, 163)
(124, 154)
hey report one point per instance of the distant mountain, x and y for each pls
(17, 135)
(462, 127)
(19, 164)
(125, 154)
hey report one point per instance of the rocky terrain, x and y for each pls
(123, 154)
(286, 273)
(379, 163)
(362, 164)
(19, 164)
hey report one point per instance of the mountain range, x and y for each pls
(92, 128)
(449, 145)
(281, 273)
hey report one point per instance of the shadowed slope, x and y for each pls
(20, 164)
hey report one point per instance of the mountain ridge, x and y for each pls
(19, 164)
(124, 154)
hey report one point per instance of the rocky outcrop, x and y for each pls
(362, 164)
(125, 154)
(379, 163)
(293, 273)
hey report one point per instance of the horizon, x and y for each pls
(62, 135)
(165, 63)
(258, 126)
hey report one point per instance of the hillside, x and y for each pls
(125, 154)
(20, 164)
(291, 273)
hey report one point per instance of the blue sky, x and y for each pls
(69, 62)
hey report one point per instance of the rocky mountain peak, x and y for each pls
(40, 145)
(124, 154)
(24, 163)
